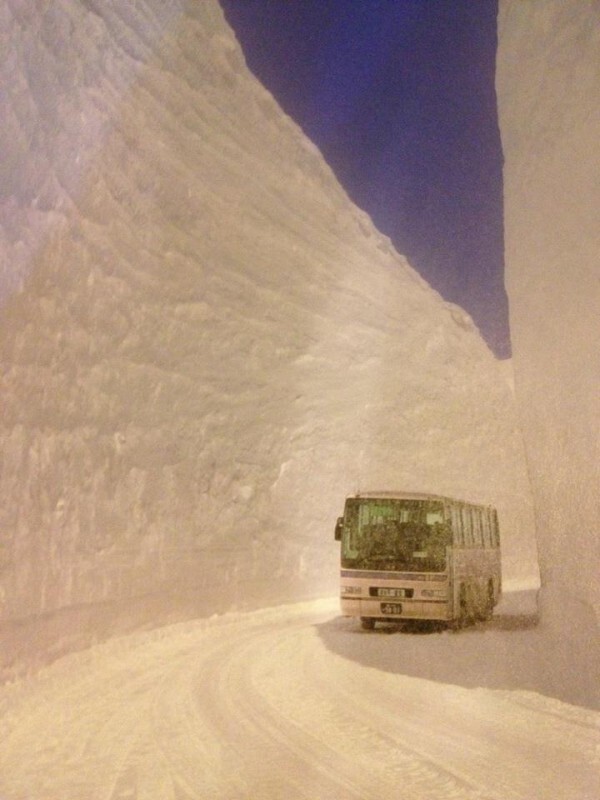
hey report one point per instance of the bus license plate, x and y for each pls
(391, 608)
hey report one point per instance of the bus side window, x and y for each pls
(457, 528)
(467, 530)
(496, 531)
(487, 528)
(477, 532)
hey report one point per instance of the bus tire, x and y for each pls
(489, 601)
(465, 610)
(368, 623)
(459, 619)
(463, 606)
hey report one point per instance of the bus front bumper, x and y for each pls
(378, 608)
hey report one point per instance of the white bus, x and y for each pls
(418, 557)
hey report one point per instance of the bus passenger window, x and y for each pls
(468, 531)
(487, 531)
(496, 533)
(457, 527)
(477, 536)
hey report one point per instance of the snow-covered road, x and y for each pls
(293, 702)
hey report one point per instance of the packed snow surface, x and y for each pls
(297, 702)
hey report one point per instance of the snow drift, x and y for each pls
(205, 346)
(548, 80)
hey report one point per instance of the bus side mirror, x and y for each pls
(339, 525)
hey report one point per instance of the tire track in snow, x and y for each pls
(377, 758)
(278, 756)
(256, 707)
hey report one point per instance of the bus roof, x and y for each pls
(399, 495)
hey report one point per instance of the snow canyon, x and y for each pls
(205, 346)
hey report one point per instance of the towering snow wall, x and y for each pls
(205, 346)
(548, 82)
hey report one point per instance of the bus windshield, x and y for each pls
(386, 534)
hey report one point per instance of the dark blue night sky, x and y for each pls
(399, 97)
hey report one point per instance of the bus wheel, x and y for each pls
(460, 618)
(489, 601)
(368, 623)
(464, 605)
